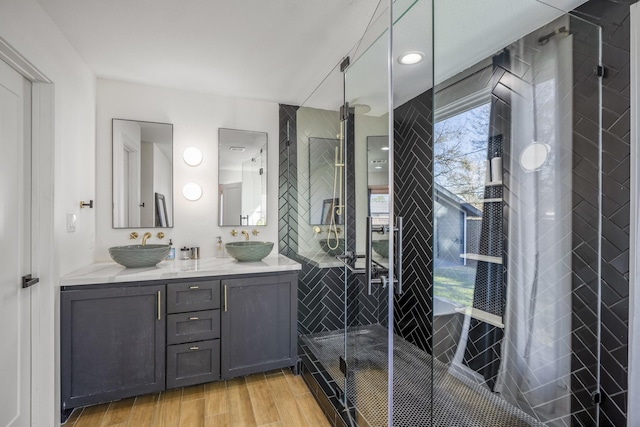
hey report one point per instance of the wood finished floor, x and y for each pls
(275, 399)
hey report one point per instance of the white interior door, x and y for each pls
(231, 203)
(15, 248)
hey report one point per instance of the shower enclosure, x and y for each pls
(447, 217)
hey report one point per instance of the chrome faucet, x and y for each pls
(245, 233)
(145, 237)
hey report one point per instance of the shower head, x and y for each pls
(360, 108)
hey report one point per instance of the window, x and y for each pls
(460, 154)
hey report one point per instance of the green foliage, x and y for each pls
(455, 283)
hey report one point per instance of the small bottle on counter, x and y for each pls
(185, 253)
(172, 251)
(219, 248)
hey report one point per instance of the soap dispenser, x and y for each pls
(220, 248)
(172, 251)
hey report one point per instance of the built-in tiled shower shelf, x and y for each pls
(491, 200)
(485, 258)
(482, 315)
(492, 184)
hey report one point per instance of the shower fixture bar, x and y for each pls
(350, 258)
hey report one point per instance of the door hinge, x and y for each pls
(596, 397)
(343, 366)
(598, 71)
(29, 281)
(344, 111)
(344, 64)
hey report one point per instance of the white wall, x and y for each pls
(196, 118)
(25, 26)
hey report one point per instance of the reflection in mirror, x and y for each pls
(378, 178)
(142, 174)
(242, 177)
(324, 181)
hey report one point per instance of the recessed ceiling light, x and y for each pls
(385, 148)
(378, 167)
(411, 58)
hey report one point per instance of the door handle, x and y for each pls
(398, 251)
(28, 281)
(159, 306)
(225, 298)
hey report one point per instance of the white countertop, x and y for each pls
(110, 272)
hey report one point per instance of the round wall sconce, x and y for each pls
(192, 156)
(192, 191)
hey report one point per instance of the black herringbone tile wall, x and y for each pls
(413, 187)
(287, 181)
(613, 17)
(321, 294)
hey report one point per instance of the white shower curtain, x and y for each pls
(535, 364)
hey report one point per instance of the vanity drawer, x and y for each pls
(193, 326)
(193, 296)
(194, 363)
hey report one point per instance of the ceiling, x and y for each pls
(276, 50)
(280, 50)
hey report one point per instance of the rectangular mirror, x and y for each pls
(142, 174)
(323, 181)
(242, 177)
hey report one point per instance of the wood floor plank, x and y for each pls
(218, 420)
(92, 416)
(290, 414)
(144, 411)
(296, 383)
(193, 392)
(74, 417)
(264, 408)
(215, 398)
(273, 372)
(169, 408)
(118, 412)
(240, 410)
(275, 400)
(192, 413)
(312, 411)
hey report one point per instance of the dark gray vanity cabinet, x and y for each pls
(259, 327)
(112, 343)
(127, 339)
(193, 333)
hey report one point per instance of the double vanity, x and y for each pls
(126, 332)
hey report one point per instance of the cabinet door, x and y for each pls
(258, 324)
(112, 343)
(193, 363)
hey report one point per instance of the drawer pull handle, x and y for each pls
(194, 287)
(195, 347)
(193, 318)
